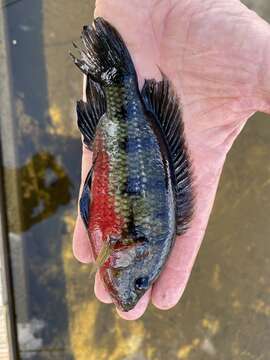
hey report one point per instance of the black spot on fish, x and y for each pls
(142, 283)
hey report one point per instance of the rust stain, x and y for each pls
(261, 308)
(185, 350)
(212, 325)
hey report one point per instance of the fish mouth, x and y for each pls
(125, 305)
(125, 302)
(124, 299)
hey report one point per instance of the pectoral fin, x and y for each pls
(103, 256)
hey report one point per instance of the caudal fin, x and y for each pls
(105, 58)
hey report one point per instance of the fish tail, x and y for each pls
(105, 58)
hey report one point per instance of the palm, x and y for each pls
(205, 47)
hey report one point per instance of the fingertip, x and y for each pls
(169, 288)
(100, 291)
(139, 309)
(81, 243)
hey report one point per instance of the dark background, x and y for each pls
(225, 311)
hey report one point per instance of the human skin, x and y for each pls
(217, 54)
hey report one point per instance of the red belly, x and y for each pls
(103, 219)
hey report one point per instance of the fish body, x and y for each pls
(132, 192)
(138, 194)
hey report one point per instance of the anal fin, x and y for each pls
(85, 199)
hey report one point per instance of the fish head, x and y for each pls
(128, 276)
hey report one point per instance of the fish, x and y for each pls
(138, 195)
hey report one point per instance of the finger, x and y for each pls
(100, 291)
(172, 282)
(81, 243)
(81, 246)
(139, 309)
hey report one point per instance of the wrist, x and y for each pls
(261, 60)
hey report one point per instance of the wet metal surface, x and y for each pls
(225, 311)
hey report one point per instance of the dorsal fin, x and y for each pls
(90, 112)
(161, 100)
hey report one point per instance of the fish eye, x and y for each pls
(142, 283)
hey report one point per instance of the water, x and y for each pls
(224, 313)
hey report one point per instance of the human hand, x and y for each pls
(215, 53)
